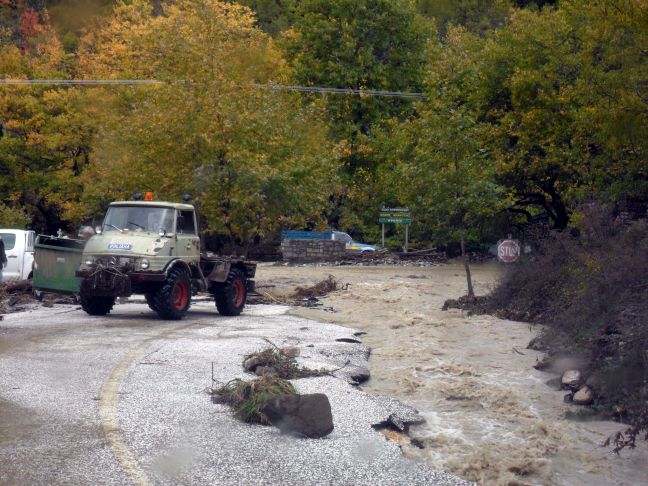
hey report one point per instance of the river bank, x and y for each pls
(490, 416)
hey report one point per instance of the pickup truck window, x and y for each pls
(9, 240)
(138, 218)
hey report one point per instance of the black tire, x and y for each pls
(150, 300)
(96, 306)
(173, 299)
(231, 295)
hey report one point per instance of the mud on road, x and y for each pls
(490, 416)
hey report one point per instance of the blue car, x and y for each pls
(352, 246)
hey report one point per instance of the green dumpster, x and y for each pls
(55, 262)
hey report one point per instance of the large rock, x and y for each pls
(305, 415)
(358, 374)
(584, 396)
(571, 379)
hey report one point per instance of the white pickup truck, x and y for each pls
(19, 247)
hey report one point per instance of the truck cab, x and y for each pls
(19, 248)
(146, 236)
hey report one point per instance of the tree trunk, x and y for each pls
(464, 256)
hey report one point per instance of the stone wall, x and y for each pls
(303, 251)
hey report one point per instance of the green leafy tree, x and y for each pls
(611, 130)
(12, 217)
(477, 16)
(559, 102)
(273, 16)
(437, 164)
(563, 105)
(363, 44)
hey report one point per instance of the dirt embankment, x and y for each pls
(490, 416)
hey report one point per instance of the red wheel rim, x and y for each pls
(239, 292)
(180, 295)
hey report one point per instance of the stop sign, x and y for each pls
(508, 251)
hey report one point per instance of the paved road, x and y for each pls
(120, 400)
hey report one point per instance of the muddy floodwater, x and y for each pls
(490, 417)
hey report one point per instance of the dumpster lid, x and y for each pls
(44, 241)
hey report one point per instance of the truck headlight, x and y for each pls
(144, 264)
(89, 261)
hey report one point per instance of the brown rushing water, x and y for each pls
(490, 416)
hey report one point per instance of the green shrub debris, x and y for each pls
(249, 398)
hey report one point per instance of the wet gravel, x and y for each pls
(54, 364)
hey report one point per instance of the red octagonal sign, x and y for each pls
(508, 251)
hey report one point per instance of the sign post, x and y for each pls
(406, 236)
(396, 215)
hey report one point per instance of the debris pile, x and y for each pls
(478, 305)
(272, 400)
(249, 398)
(326, 286)
(301, 296)
(278, 362)
(17, 295)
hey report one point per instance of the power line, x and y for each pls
(82, 82)
(271, 86)
(320, 89)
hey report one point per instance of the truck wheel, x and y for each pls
(231, 295)
(173, 298)
(96, 306)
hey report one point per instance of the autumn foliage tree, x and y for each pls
(254, 160)
(44, 137)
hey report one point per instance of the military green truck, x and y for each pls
(153, 248)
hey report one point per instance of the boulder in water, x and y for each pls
(584, 396)
(571, 379)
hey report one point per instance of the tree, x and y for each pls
(562, 106)
(12, 217)
(358, 44)
(478, 16)
(437, 163)
(611, 128)
(273, 16)
(254, 159)
(43, 141)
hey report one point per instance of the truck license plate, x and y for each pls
(120, 246)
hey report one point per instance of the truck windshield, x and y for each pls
(139, 218)
(9, 240)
